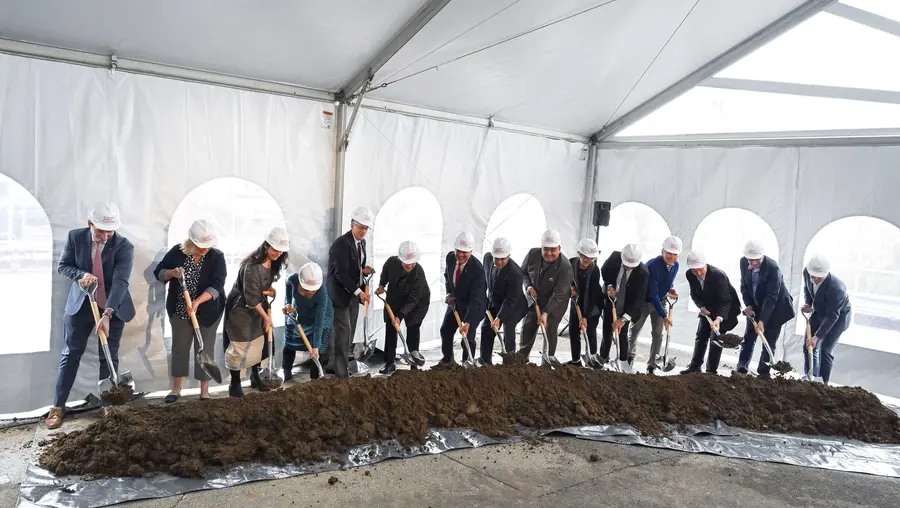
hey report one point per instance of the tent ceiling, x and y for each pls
(571, 65)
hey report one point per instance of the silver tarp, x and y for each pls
(42, 489)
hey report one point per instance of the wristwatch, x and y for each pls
(108, 312)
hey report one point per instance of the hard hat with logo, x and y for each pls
(202, 234)
(501, 248)
(310, 276)
(818, 266)
(464, 242)
(278, 239)
(588, 248)
(105, 216)
(363, 216)
(631, 255)
(551, 239)
(695, 260)
(754, 250)
(409, 253)
(672, 245)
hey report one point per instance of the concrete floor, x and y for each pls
(555, 473)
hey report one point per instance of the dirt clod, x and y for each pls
(333, 480)
(318, 420)
(594, 457)
(781, 368)
(731, 340)
(119, 395)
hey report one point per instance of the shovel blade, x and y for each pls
(357, 368)
(669, 365)
(586, 360)
(106, 385)
(209, 367)
(367, 352)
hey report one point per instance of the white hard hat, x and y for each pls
(202, 234)
(672, 245)
(363, 216)
(278, 239)
(105, 216)
(754, 250)
(311, 276)
(409, 253)
(695, 260)
(818, 266)
(550, 239)
(631, 255)
(501, 248)
(588, 248)
(464, 242)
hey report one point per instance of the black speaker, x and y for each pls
(601, 213)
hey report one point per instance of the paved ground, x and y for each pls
(557, 473)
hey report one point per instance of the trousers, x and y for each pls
(701, 341)
(529, 333)
(342, 337)
(575, 334)
(488, 336)
(183, 341)
(449, 329)
(657, 325)
(606, 342)
(79, 327)
(823, 357)
(773, 332)
(412, 335)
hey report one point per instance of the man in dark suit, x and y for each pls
(588, 295)
(766, 299)
(825, 296)
(506, 301)
(347, 270)
(464, 278)
(718, 301)
(93, 255)
(548, 279)
(625, 278)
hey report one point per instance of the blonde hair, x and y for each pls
(189, 248)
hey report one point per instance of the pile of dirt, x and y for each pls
(119, 395)
(782, 368)
(321, 419)
(731, 340)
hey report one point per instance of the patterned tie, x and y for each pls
(98, 272)
(620, 293)
(458, 272)
(359, 252)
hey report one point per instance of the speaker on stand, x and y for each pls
(600, 217)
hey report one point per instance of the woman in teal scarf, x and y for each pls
(307, 304)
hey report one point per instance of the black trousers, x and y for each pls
(449, 329)
(704, 333)
(412, 335)
(488, 335)
(606, 342)
(342, 337)
(575, 334)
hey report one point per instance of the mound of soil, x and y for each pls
(321, 419)
(119, 395)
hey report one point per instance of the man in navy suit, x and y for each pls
(506, 301)
(766, 299)
(825, 296)
(93, 255)
(465, 281)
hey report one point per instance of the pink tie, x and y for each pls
(458, 273)
(98, 272)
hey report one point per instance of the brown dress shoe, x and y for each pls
(55, 418)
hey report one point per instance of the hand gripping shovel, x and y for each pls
(497, 333)
(206, 363)
(115, 380)
(773, 366)
(309, 347)
(809, 348)
(405, 356)
(470, 362)
(545, 356)
(614, 363)
(669, 363)
(589, 361)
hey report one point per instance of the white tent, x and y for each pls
(495, 117)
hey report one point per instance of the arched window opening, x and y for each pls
(521, 220)
(633, 222)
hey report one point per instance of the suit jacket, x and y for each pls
(344, 269)
(117, 258)
(407, 293)
(661, 280)
(635, 289)
(831, 305)
(506, 301)
(471, 301)
(212, 279)
(717, 295)
(553, 285)
(772, 302)
(590, 297)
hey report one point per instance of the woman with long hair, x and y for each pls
(246, 309)
(199, 267)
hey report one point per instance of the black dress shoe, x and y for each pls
(388, 369)
(690, 370)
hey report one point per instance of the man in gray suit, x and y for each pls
(548, 279)
(93, 255)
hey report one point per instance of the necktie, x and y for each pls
(620, 293)
(359, 253)
(98, 272)
(458, 272)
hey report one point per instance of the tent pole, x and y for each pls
(338, 208)
(589, 187)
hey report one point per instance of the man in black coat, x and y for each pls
(718, 301)
(625, 278)
(506, 301)
(588, 295)
(347, 270)
(464, 278)
(766, 299)
(548, 279)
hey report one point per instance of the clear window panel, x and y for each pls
(864, 253)
(242, 213)
(633, 222)
(26, 267)
(520, 219)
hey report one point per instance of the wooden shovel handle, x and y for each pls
(459, 323)
(269, 331)
(190, 310)
(578, 313)
(537, 310)
(96, 312)
(391, 314)
(491, 320)
(305, 340)
(366, 291)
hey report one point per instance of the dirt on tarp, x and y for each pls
(119, 395)
(324, 418)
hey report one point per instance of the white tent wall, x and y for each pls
(797, 191)
(470, 171)
(73, 135)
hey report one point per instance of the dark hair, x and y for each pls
(260, 255)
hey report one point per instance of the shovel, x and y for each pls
(270, 375)
(614, 363)
(368, 346)
(669, 363)
(405, 356)
(497, 333)
(470, 363)
(586, 355)
(114, 380)
(545, 356)
(206, 363)
(768, 349)
(809, 348)
(308, 346)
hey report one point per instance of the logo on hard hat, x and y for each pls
(464, 243)
(109, 220)
(206, 238)
(311, 282)
(410, 255)
(282, 242)
(753, 252)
